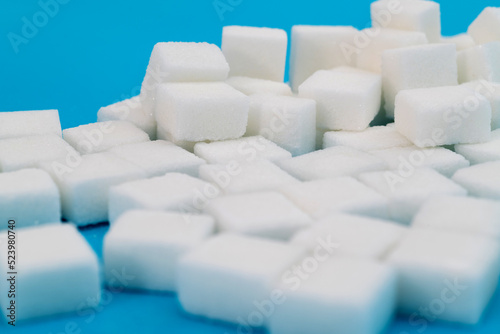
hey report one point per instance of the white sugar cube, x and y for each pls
(57, 273)
(321, 198)
(369, 53)
(247, 149)
(481, 180)
(250, 86)
(159, 157)
(263, 214)
(27, 152)
(442, 116)
(29, 197)
(356, 236)
(449, 276)
(101, 136)
(201, 111)
(479, 63)
(318, 48)
(171, 192)
(130, 110)
(287, 121)
(151, 257)
(420, 66)
(84, 185)
(341, 296)
(255, 52)
(29, 123)
(347, 98)
(481, 152)
(486, 27)
(461, 41)
(373, 138)
(162, 134)
(409, 190)
(472, 216)
(224, 277)
(491, 91)
(331, 162)
(406, 159)
(236, 177)
(424, 16)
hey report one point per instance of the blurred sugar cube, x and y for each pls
(481, 152)
(491, 91)
(482, 180)
(29, 123)
(486, 27)
(461, 41)
(479, 63)
(250, 86)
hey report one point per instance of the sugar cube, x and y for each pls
(250, 86)
(479, 63)
(481, 152)
(491, 91)
(29, 123)
(486, 27)
(482, 180)
(162, 134)
(461, 41)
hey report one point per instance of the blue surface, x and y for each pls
(92, 53)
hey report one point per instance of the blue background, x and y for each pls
(93, 53)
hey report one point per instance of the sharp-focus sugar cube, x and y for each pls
(420, 66)
(461, 41)
(27, 152)
(356, 236)
(29, 123)
(159, 157)
(321, 198)
(201, 111)
(373, 138)
(151, 256)
(130, 110)
(408, 158)
(423, 16)
(347, 99)
(57, 273)
(369, 55)
(442, 116)
(288, 121)
(224, 277)
(84, 185)
(263, 214)
(467, 215)
(236, 177)
(491, 91)
(247, 149)
(481, 180)
(318, 48)
(171, 192)
(479, 63)
(450, 276)
(29, 197)
(481, 152)
(250, 86)
(101, 136)
(331, 162)
(342, 296)
(407, 191)
(255, 52)
(486, 27)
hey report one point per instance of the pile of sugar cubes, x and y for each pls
(367, 186)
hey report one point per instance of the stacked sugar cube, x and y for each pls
(294, 207)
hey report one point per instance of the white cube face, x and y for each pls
(443, 116)
(29, 123)
(289, 122)
(151, 256)
(251, 86)
(479, 63)
(318, 48)
(338, 298)
(346, 98)
(461, 41)
(246, 150)
(262, 214)
(414, 67)
(408, 190)
(159, 157)
(101, 136)
(486, 27)
(57, 272)
(217, 284)
(481, 152)
(481, 180)
(322, 198)
(201, 111)
(448, 276)
(255, 52)
(491, 91)
(331, 162)
(29, 197)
